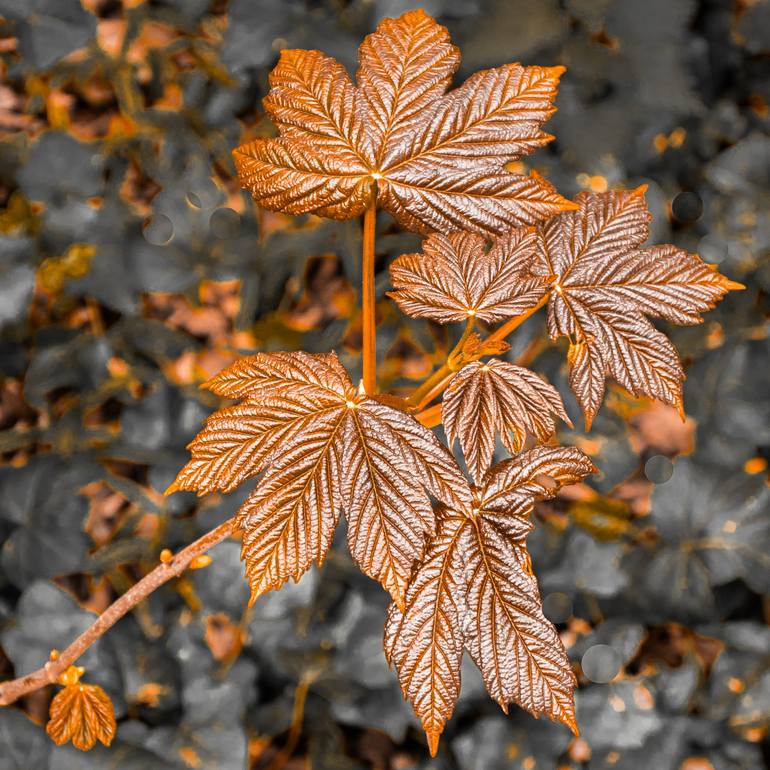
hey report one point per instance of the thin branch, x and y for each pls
(49, 673)
(367, 299)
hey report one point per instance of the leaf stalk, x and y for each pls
(439, 380)
(368, 310)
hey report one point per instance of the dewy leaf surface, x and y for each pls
(456, 277)
(83, 714)
(475, 590)
(498, 398)
(438, 157)
(606, 284)
(322, 448)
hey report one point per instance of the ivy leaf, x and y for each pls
(606, 285)
(496, 397)
(17, 278)
(475, 589)
(497, 743)
(438, 158)
(24, 744)
(614, 718)
(455, 277)
(324, 448)
(62, 168)
(48, 30)
(81, 713)
(43, 505)
(713, 529)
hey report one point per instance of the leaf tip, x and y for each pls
(256, 590)
(240, 156)
(570, 721)
(433, 737)
(171, 488)
(417, 13)
(639, 191)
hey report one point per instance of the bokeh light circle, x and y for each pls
(225, 223)
(557, 607)
(687, 207)
(159, 230)
(712, 249)
(659, 469)
(601, 663)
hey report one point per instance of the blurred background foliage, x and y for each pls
(132, 267)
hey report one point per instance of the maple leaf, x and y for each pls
(438, 158)
(81, 713)
(455, 277)
(497, 397)
(475, 590)
(323, 448)
(606, 285)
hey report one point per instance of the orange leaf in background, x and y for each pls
(455, 277)
(323, 448)
(606, 286)
(438, 158)
(81, 713)
(496, 397)
(475, 589)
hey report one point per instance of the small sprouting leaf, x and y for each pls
(81, 713)
(438, 158)
(475, 589)
(606, 285)
(497, 397)
(455, 277)
(323, 447)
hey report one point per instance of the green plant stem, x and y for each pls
(369, 321)
(438, 381)
(50, 672)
